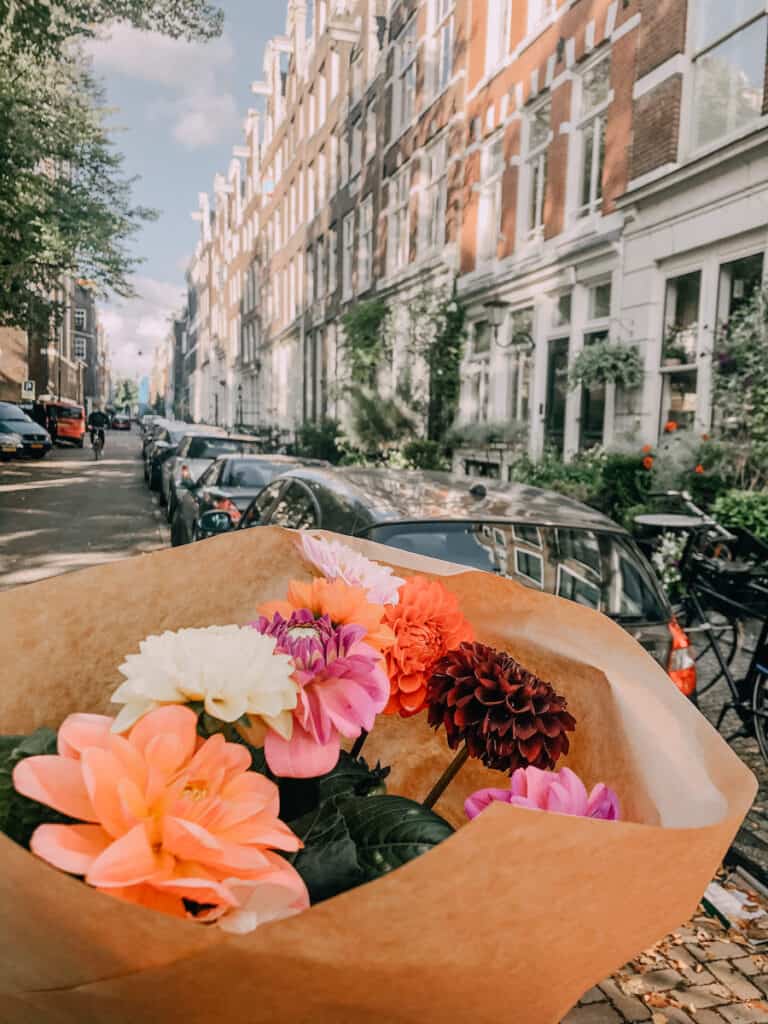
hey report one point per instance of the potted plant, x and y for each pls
(606, 362)
(674, 351)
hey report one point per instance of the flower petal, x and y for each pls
(174, 719)
(71, 848)
(262, 830)
(80, 731)
(301, 757)
(483, 798)
(56, 782)
(129, 714)
(129, 860)
(281, 896)
(103, 773)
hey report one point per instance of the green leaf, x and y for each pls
(389, 831)
(328, 863)
(19, 816)
(352, 777)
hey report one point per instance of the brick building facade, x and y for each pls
(573, 170)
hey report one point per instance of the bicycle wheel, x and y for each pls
(760, 712)
(722, 629)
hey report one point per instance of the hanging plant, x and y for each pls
(606, 362)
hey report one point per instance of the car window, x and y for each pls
(10, 415)
(247, 474)
(465, 543)
(68, 412)
(260, 509)
(296, 509)
(213, 447)
(211, 476)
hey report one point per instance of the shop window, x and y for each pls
(678, 399)
(681, 320)
(739, 280)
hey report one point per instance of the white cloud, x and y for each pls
(193, 75)
(135, 326)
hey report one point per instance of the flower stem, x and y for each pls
(355, 752)
(447, 777)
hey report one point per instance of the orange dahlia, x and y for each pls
(427, 623)
(344, 605)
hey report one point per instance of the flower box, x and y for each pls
(514, 916)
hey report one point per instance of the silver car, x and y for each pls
(195, 453)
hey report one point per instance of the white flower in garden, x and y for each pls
(336, 561)
(233, 670)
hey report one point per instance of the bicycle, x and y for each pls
(97, 441)
(724, 578)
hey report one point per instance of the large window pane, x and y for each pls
(678, 399)
(716, 18)
(681, 319)
(728, 94)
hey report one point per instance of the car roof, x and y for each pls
(389, 496)
(278, 460)
(9, 407)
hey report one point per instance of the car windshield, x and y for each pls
(213, 447)
(601, 570)
(67, 412)
(14, 416)
(248, 474)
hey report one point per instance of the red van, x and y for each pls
(70, 421)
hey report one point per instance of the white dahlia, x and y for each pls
(233, 670)
(336, 561)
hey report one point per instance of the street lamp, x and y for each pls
(497, 315)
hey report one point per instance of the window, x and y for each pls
(729, 67)
(310, 192)
(561, 313)
(322, 97)
(370, 133)
(593, 398)
(595, 97)
(600, 301)
(311, 275)
(476, 381)
(499, 14)
(539, 11)
(311, 114)
(333, 181)
(356, 149)
(344, 169)
(80, 319)
(335, 74)
(365, 264)
(434, 205)
(398, 244)
(333, 256)
(405, 84)
(81, 345)
(520, 360)
(681, 320)
(539, 138)
(320, 269)
(347, 255)
(443, 44)
(530, 565)
(322, 171)
(296, 510)
(490, 201)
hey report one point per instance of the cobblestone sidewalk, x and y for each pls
(702, 974)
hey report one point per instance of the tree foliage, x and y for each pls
(126, 392)
(65, 203)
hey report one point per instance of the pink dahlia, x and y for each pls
(562, 792)
(343, 685)
(337, 561)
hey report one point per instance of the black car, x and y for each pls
(541, 539)
(229, 484)
(35, 440)
(162, 445)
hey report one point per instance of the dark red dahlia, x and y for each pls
(508, 716)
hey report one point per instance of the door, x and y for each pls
(557, 394)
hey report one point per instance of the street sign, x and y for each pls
(28, 389)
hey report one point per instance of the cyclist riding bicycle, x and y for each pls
(98, 421)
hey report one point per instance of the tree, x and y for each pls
(126, 392)
(65, 204)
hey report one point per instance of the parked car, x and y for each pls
(120, 421)
(70, 421)
(153, 430)
(14, 423)
(197, 451)
(163, 445)
(230, 484)
(541, 539)
(11, 444)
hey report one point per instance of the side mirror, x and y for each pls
(216, 522)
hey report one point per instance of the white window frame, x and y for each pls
(320, 268)
(311, 194)
(399, 220)
(442, 44)
(370, 133)
(540, 13)
(356, 149)
(594, 118)
(491, 201)
(404, 89)
(322, 178)
(347, 255)
(333, 259)
(434, 200)
(696, 54)
(499, 28)
(80, 348)
(365, 251)
(81, 317)
(535, 172)
(476, 375)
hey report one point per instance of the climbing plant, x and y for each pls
(443, 358)
(366, 342)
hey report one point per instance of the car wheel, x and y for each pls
(177, 532)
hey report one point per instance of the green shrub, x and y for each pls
(319, 441)
(623, 485)
(748, 509)
(424, 455)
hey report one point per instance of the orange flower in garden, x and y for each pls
(427, 623)
(705, 437)
(670, 426)
(165, 819)
(648, 462)
(647, 449)
(699, 469)
(344, 605)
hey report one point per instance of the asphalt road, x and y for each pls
(68, 512)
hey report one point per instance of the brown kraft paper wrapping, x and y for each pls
(511, 919)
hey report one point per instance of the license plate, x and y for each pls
(35, 446)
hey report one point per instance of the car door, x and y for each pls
(297, 508)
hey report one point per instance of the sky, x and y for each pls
(178, 109)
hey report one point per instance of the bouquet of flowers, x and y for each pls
(349, 723)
